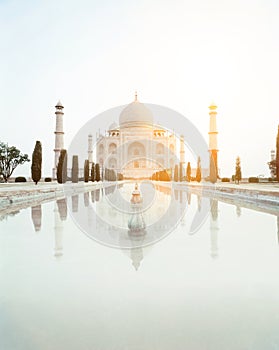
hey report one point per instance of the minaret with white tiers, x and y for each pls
(59, 135)
(213, 147)
(90, 149)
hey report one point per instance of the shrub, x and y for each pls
(86, 170)
(75, 168)
(20, 179)
(225, 179)
(48, 179)
(253, 179)
(36, 167)
(62, 167)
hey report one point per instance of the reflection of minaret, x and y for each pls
(214, 227)
(90, 150)
(213, 147)
(59, 135)
(36, 213)
(58, 231)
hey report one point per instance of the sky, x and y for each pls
(183, 55)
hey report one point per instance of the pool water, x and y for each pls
(64, 288)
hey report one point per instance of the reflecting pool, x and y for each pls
(71, 279)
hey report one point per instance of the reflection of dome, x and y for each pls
(113, 126)
(135, 113)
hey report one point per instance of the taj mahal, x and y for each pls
(135, 146)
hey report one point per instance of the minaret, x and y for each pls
(59, 135)
(182, 158)
(182, 151)
(213, 148)
(90, 150)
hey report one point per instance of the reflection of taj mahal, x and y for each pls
(136, 147)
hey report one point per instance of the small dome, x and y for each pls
(113, 126)
(59, 104)
(135, 113)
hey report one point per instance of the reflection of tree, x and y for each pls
(189, 198)
(75, 203)
(62, 208)
(136, 257)
(36, 214)
(97, 194)
(199, 200)
(86, 199)
(238, 211)
(5, 216)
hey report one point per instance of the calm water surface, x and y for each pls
(215, 289)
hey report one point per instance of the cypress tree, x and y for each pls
(188, 174)
(180, 172)
(75, 169)
(86, 170)
(36, 167)
(93, 172)
(277, 155)
(175, 177)
(97, 172)
(62, 167)
(238, 175)
(198, 173)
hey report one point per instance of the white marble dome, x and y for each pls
(135, 113)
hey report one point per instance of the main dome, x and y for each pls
(135, 113)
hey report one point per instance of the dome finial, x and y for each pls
(136, 96)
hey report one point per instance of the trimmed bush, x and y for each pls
(20, 179)
(86, 170)
(225, 179)
(75, 168)
(253, 180)
(61, 172)
(48, 179)
(36, 167)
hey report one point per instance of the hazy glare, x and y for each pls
(182, 54)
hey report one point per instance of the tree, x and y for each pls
(75, 169)
(86, 170)
(97, 172)
(181, 172)
(93, 172)
(277, 155)
(188, 172)
(198, 172)
(61, 172)
(175, 177)
(272, 168)
(237, 176)
(10, 158)
(36, 167)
